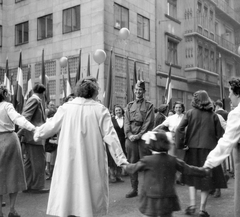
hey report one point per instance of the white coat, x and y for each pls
(80, 179)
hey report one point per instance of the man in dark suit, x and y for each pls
(34, 163)
(219, 110)
(139, 119)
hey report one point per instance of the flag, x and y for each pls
(109, 93)
(168, 89)
(97, 73)
(134, 77)
(7, 82)
(78, 73)
(29, 91)
(128, 81)
(88, 66)
(45, 80)
(64, 95)
(12, 89)
(222, 97)
(69, 86)
(18, 92)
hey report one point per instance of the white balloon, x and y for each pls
(124, 33)
(99, 56)
(63, 61)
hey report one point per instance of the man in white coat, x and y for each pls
(80, 179)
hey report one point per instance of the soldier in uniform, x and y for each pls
(139, 118)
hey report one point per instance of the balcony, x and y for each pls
(224, 43)
(223, 9)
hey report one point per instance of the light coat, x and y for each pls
(80, 179)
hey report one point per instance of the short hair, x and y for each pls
(69, 97)
(235, 85)
(39, 88)
(202, 101)
(162, 143)
(86, 87)
(3, 92)
(180, 103)
(219, 103)
(118, 106)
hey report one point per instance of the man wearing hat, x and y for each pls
(139, 118)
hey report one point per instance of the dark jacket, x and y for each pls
(203, 130)
(160, 117)
(120, 132)
(223, 113)
(33, 112)
(159, 174)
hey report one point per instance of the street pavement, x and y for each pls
(34, 205)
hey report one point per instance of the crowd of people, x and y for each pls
(82, 146)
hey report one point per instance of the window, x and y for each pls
(0, 36)
(71, 19)
(199, 7)
(172, 8)
(206, 60)
(121, 16)
(21, 33)
(45, 27)
(172, 52)
(143, 27)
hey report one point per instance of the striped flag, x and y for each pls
(168, 89)
(128, 81)
(45, 80)
(69, 86)
(64, 95)
(222, 95)
(7, 82)
(29, 91)
(134, 77)
(18, 92)
(78, 73)
(109, 93)
(88, 66)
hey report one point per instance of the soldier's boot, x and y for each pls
(134, 183)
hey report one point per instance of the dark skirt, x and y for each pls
(197, 157)
(12, 177)
(158, 206)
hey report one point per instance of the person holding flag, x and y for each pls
(139, 119)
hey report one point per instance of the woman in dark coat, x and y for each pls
(118, 123)
(201, 136)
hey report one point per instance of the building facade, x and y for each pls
(198, 37)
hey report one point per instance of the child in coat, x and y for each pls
(158, 196)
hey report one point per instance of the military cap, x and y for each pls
(141, 83)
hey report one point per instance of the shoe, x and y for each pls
(3, 204)
(217, 193)
(132, 193)
(13, 214)
(39, 191)
(190, 210)
(119, 179)
(203, 214)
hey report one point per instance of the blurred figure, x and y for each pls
(115, 172)
(12, 177)
(161, 115)
(200, 130)
(170, 112)
(80, 178)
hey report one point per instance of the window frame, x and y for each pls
(46, 27)
(22, 24)
(172, 8)
(127, 10)
(72, 30)
(170, 38)
(143, 18)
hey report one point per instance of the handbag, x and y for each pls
(49, 145)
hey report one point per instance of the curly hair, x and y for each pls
(235, 85)
(179, 103)
(86, 87)
(118, 106)
(3, 91)
(161, 144)
(202, 101)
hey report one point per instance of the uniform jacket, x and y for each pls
(139, 118)
(159, 174)
(80, 179)
(230, 141)
(203, 130)
(33, 111)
